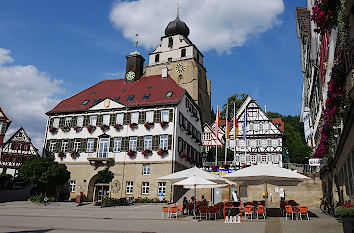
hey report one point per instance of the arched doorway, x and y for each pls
(97, 191)
(91, 188)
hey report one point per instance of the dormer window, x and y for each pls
(169, 94)
(170, 42)
(157, 57)
(85, 102)
(183, 52)
(130, 97)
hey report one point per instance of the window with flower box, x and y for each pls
(146, 169)
(90, 144)
(56, 122)
(164, 142)
(162, 188)
(77, 145)
(80, 121)
(117, 144)
(164, 115)
(132, 143)
(149, 116)
(72, 185)
(135, 118)
(93, 120)
(64, 146)
(129, 187)
(119, 119)
(52, 146)
(148, 143)
(145, 188)
(106, 119)
(68, 121)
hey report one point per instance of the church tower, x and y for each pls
(184, 63)
(135, 65)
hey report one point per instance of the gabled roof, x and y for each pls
(155, 85)
(303, 20)
(26, 137)
(278, 122)
(3, 116)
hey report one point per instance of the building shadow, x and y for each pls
(34, 231)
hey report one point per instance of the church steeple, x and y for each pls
(135, 65)
(177, 27)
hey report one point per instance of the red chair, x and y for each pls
(165, 211)
(173, 211)
(289, 210)
(260, 210)
(249, 211)
(212, 210)
(303, 211)
(203, 210)
(180, 209)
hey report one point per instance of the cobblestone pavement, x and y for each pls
(28, 217)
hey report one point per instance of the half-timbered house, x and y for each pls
(262, 139)
(140, 127)
(4, 125)
(209, 138)
(15, 150)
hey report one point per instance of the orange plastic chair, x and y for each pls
(289, 210)
(249, 211)
(180, 209)
(212, 210)
(203, 210)
(260, 210)
(303, 211)
(173, 211)
(165, 211)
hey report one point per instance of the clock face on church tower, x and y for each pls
(180, 68)
(130, 75)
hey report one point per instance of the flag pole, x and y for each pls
(216, 135)
(235, 136)
(226, 130)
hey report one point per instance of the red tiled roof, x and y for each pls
(278, 122)
(117, 88)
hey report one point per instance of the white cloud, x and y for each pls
(214, 24)
(26, 95)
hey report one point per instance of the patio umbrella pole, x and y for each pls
(266, 192)
(195, 196)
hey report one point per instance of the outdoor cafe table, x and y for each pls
(232, 205)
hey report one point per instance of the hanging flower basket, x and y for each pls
(325, 14)
(74, 154)
(118, 126)
(53, 130)
(148, 125)
(214, 168)
(77, 128)
(346, 212)
(162, 152)
(133, 125)
(183, 155)
(65, 129)
(131, 153)
(104, 127)
(146, 152)
(91, 128)
(163, 124)
(61, 155)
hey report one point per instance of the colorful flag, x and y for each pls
(227, 123)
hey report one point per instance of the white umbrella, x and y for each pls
(195, 181)
(264, 174)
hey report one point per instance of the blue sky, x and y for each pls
(71, 45)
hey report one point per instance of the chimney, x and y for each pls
(265, 108)
(164, 72)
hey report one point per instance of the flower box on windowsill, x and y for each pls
(162, 152)
(77, 129)
(74, 154)
(118, 126)
(146, 152)
(148, 125)
(164, 124)
(53, 130)
(65, 129)
(104, 127)
(131, 153)
(133, 125)
(183, 155)
(91, 128)
(61, 155)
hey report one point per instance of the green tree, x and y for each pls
(105, 176)
(238, 100)
(46, 173)
(221, 154)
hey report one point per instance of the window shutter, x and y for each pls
(99, 120)
(83, 145)
(50, 123)
(47, 145)
(58, 145)
(169, 142)
(140, 143)
(112, 120)
(125, 143)
(142, 117)
(86, 121)
(126, 119)
(170, 115)
(71, 145)
(155, 142)
(95, 145)
(111, 144)
(61, 122)
(157, 114)
(73, 122)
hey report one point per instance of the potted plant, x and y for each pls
(346, 212)
(163, 124)
(148, 125)
(53, 130)
(146, 152)
(74, 154)
(61, 155)
(77, 128)
(65, 128)
(162, 152)
(131, 153)
(133, 125)
(118, 126)
(91, 128)
(104, 127)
